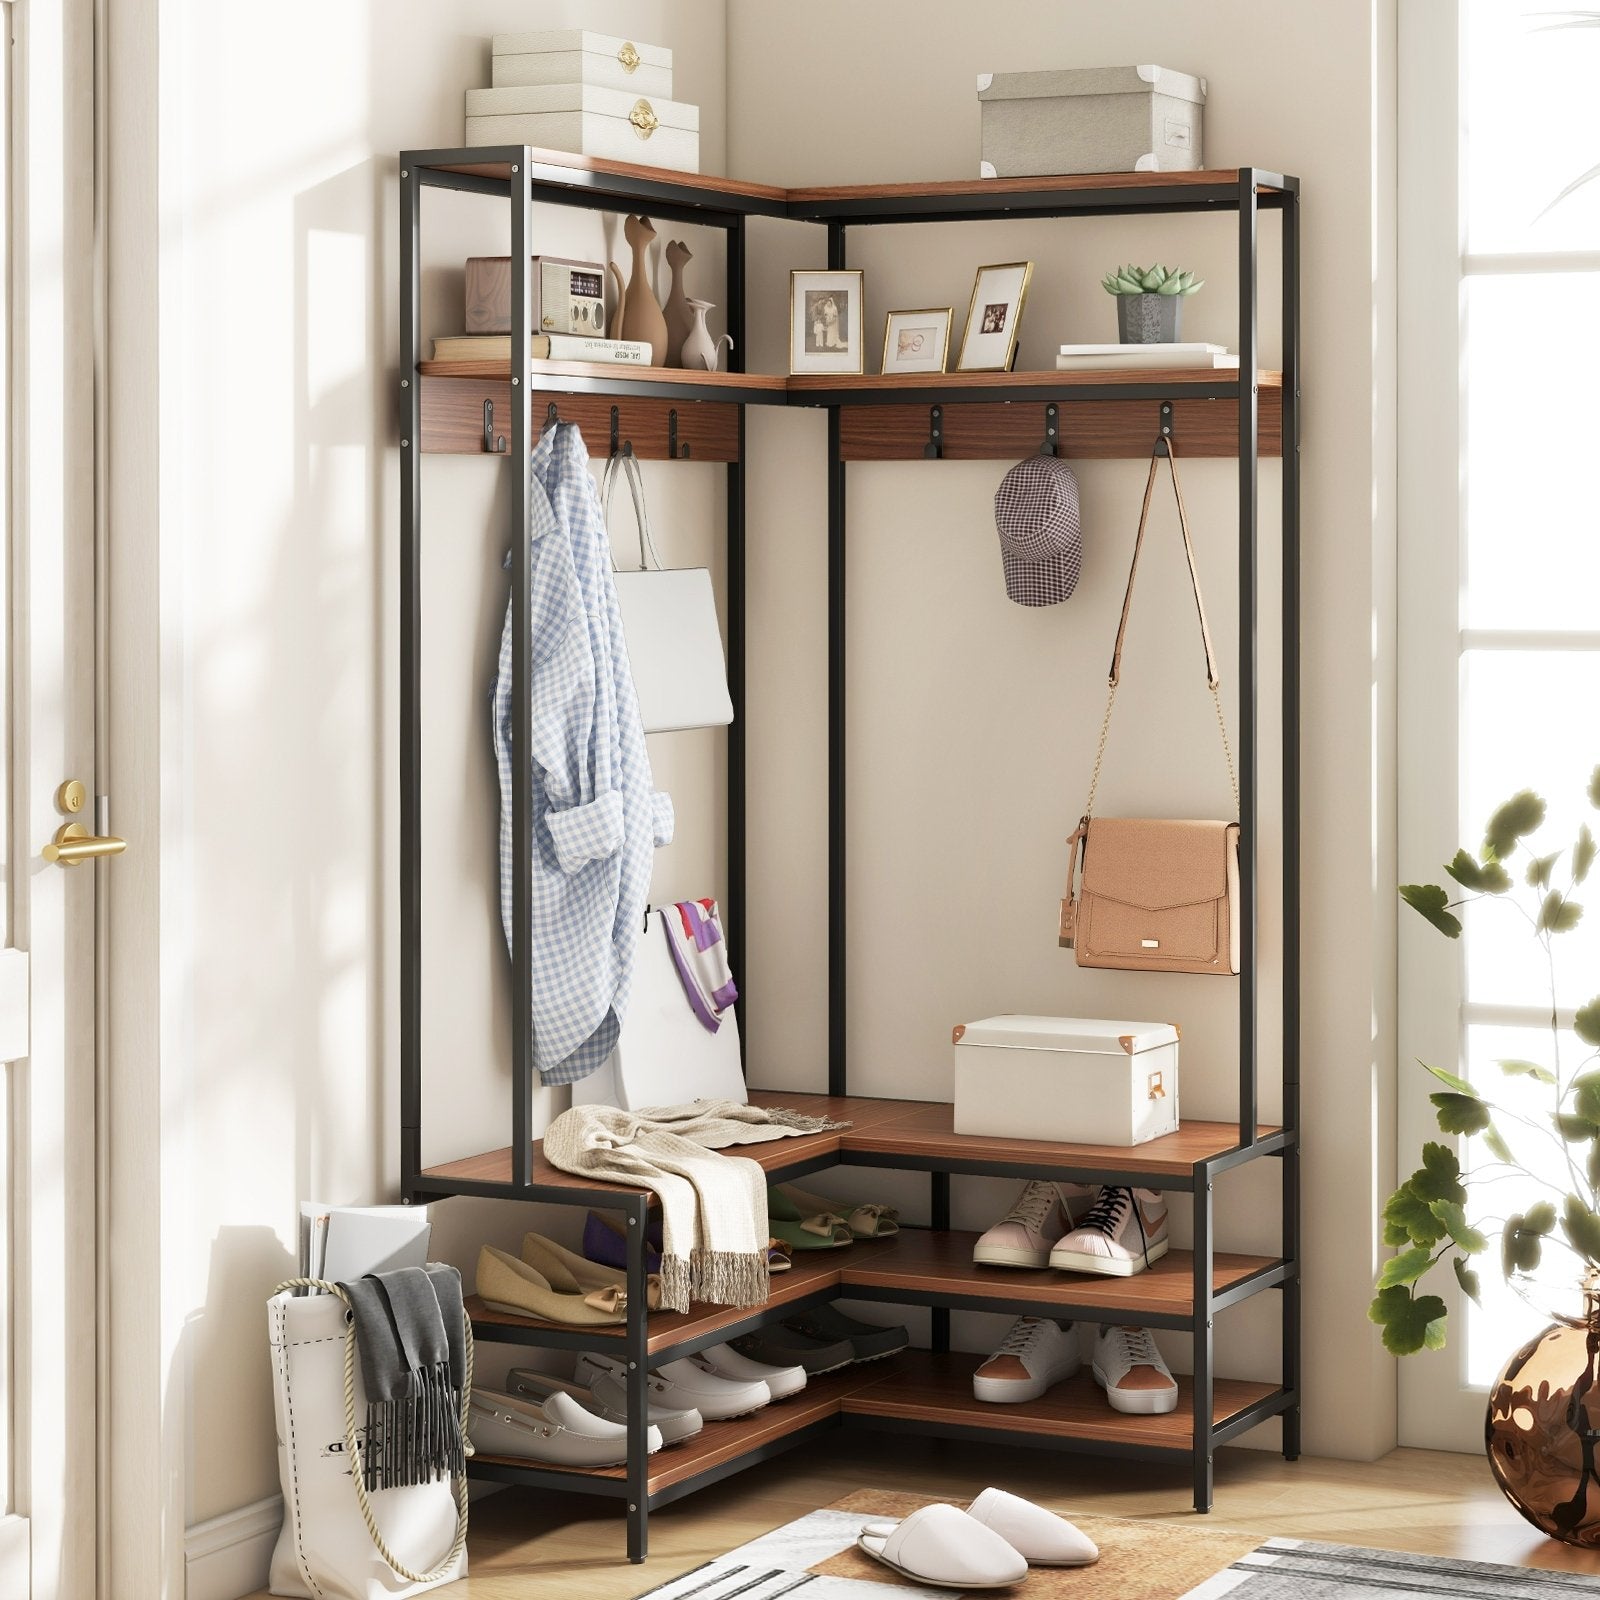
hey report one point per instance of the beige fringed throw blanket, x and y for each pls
(713, 1207)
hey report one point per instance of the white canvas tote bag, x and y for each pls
(670, 619)
(338, 1542)
(664, 1056)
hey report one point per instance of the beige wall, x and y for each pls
(973, 722)
(279, 180)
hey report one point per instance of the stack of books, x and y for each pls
(1075, 357)
(543, 347)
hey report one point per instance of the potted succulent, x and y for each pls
(1148, 301)
(1544, 1410)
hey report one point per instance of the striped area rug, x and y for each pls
(1292, 1569)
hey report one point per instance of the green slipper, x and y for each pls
(820, 1231)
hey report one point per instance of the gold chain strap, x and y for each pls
(1100, 749)
(1227, 748)
(353, 1453)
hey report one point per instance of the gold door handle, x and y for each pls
(74, 843)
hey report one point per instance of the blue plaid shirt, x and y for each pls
(597, 816)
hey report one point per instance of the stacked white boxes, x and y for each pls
(586, 93)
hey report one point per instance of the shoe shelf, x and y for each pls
(1244, 415)
(916, 1134)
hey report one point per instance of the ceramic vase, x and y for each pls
(1148, 318)
(680, 319)
(700, 351)
(1543, 1424)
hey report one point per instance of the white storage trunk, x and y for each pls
(1077, 1079)
(1090, 119)
(613, 123)
(574, 55)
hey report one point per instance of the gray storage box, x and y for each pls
(1090, 119)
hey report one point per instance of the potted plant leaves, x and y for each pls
(1149, 300)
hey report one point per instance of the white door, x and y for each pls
(1499, 566)
(47, 719)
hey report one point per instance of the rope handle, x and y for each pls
(1213, 682)
(649, 561)
(353, 1454)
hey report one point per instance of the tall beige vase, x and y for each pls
(642, 317)
(680, 319)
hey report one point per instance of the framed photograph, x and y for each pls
(917, 341)
(826, 332)
(989, 342)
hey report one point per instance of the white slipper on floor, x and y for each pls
(945, 1548)
(1040, 1537)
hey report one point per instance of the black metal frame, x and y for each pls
(684, 199)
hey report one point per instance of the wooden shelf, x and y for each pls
(904, 1133)
(556, 376)
(926, 1267)
(813, 387)
(938, 1390)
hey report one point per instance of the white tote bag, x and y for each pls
(670, 619)
(664, 1055)
(338, 1542)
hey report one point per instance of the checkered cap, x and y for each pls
(1041, 542)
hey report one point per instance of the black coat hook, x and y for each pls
(934, 448)
(494, 443)
(1052, 431)
(1166, 428)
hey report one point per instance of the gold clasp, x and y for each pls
(644, 120)
(629, 56)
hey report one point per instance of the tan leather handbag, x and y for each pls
(1155, 896)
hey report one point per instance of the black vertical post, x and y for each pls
(939, 1220)
(521, 434)
(410, 680)
(838, 1075)
(737, 873)
(638, 1343)
(1203, 1382)
(1291, 810)
(1249, 840)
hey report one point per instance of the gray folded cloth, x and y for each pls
(412, 1343)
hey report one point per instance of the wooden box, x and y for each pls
(574, 55)
(615, 124)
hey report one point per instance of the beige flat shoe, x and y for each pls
(568, 1273)
(509, 1285)
(866, 1221)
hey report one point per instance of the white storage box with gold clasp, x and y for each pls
(1080, 1080)
(574, 55)
(616, 124)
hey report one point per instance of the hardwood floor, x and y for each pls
(555, 1547)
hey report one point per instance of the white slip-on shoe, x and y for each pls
(944, 1548)
(1124, 1232)
(726, 1362)
(1040, 1537)
(559, 1432)
(1129, 1368)
(714, 1397)
(606, 1396)
(1028, 1232)
(1035, 1354)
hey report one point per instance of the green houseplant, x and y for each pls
(1544, 1413)
(1148, 301)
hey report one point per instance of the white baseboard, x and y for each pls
(231, 1555)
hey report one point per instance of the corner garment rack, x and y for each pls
(664, 414)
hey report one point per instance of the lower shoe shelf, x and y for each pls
(921, 1390)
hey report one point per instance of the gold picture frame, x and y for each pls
(825, 306)
(945, 315)
(1005, 311)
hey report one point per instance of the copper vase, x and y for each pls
(1543, 1428)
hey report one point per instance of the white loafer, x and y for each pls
(726, 1362)
(606, 1396)
(1040, 1537)
(945, 1548)
(559, 1431)
(715, 1398)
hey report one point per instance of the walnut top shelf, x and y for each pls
(734, 383)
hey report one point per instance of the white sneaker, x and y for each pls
(1129, 1368)
(1034, 1355)
(605, 1394)
(608, 1381)
(1124, 1232)
(726, 1362)
(1025, 1235)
